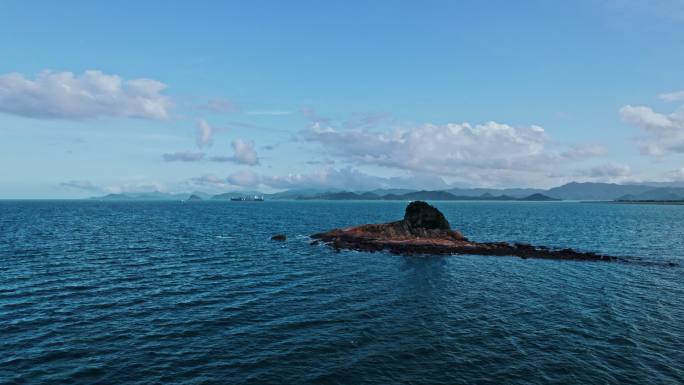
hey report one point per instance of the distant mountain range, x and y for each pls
(657, 194)
(424, 195)
(570, 191)
(595, 191)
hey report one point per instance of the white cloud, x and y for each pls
(129, 186)
(582, 152)
(664, 133)
(484, 154)
(205, 134)
(208, 183)
(183, 156)
(646, 118)
(208, 179)
(672, 96)
(93, 94)
(676, 175)
(243, 153)
(608, 172)
(244, 178)
(136, 186)
(347, 178)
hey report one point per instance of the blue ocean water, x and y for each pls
(194, 293)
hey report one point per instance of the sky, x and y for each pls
(216, 96)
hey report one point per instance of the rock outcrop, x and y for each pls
(425, 230)
(421, 215)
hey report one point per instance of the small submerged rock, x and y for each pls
(425, 230)
(279, 237)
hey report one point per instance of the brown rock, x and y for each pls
(425, 230)
(420, 215)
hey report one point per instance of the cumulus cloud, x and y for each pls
(347, 178)
(672, 96)
(664, 132)
(646, 118)
(582, 152)
(91, 95)
(136, 186)
(608, 172)
(183, 156)
(208, 183)
(676, 175)
(243, 153)
(244, 178)
(489, 153)
(205, 134)
(437, 148)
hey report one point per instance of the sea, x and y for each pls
(96, 292)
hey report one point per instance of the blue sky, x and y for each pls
(271, 95)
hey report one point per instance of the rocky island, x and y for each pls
(194, 198)
(425, 230)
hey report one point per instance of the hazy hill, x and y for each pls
(513, 192)
(570, 191)
(200, 194)
(113, 197)
(417, 195)
(394, 191)
(299, 193)
(345, 195)
(595, 191)
(537, 197)
(422, 195)
(657, 194)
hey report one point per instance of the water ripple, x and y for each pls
(163, 292)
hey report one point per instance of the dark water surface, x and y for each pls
(191, 293)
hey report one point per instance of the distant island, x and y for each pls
(194, 198)
(629, 193)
